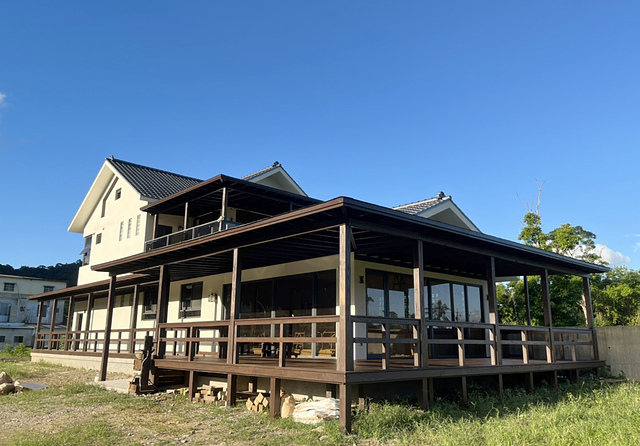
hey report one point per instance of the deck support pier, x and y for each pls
(424, 396)
(464, 396)
(345, 406)
(111, 299)
(275, 399)
(529, 382)
(192, 384)
(232, 388)
(500, 386)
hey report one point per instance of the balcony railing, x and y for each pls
(189, 234)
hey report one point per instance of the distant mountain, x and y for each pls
(59, 271)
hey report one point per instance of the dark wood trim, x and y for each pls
(234, 306)
(162, 309)
(496, 347)
(232, 388)
(345, 406)
(527, 298)
(67, 343)
(345, 326)
(39, 324)
(87, 322)
(133, 321)
(186, 215)
(274, 398)
(107, 328)
(52, 322)
(224, 204)
(588, 306)
(154, 230)
(548, 317)
(420, 355)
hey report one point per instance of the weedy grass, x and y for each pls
(589, 413)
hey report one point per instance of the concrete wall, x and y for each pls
(620, 348)
(117, 365)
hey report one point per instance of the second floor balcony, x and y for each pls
(189, 234)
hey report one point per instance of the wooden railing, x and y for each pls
(124, 340)
(555, 340)
(186, 339)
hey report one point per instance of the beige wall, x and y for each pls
(126, 208)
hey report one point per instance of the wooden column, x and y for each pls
(186, 215)
(154, 231)
(236, 287)
(274, 399)
(421, 352)
(345, 326)
(345, 406)
(496, 345)
(52, 322)
(39, 324)
(232, 385)
(529, 382)
(87, 322)
(68, 336)
(464, 397)
(527, 299)
(588, 305)
(548, 319)
(162, 308)
(224, 206)
(192, 384)
(423, 394)
(500, 386)
(133, 321)
(111, 299)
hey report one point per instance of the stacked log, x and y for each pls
(204, 394)
(257, 404)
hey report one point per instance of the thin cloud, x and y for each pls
(3, 99)
(614, 258)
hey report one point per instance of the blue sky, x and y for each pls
(388, 102)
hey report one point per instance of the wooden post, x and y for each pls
(274, 398)
(345, 407)
(232, 382)
(421, 352)
(68, 337)
(39, 325)
(52, 323)
(224, 205)
(548, 319)
(386, 345)
(133, 321)
(192, 384)
(345, 326)
(500, 386)
(464, 398)
(186, 216)
(155, 226)
(107, 327)
(494, 336)
(530, 383)
(525, 347)
(87, 322)
(527, 299)
(423, 394)
(588, 305)
(236, 288)
(162, 308)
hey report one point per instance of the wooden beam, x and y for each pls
(494, 335)
(154, 231)
(423, 394)
(192, 384)
(529, 382)
(500, 386)
(548, 318)
(133, 321)
(232, 388)
(67, 340)
(234, 306)
(345, 325)
(588, 306)
(527, 299)
(186, 215)
(107, 328)
(421, 353)
(464, 397)
(162, 305)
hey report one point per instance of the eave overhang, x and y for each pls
(379, 234)
(95, 287)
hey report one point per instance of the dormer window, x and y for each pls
(118, 194)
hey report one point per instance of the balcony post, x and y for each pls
(155, 227)
(421, 352)
(134, 319)
(111, 298)
(494, 336)
(236, 287)
(162, 308)
(224, 206)
(548, 318)
(186, 215)
(39, 323)
(345, 326)
(588, 306)
(87, 323)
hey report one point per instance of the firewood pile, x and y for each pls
(204, 394)
(257, 404)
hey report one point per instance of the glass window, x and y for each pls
(375, 294)
(98, 238)
(118, 194)
(326, 293)
(400, 299)
(459, 306)
(191, 299)
(150, 302)
(294, 296)
(121, 233)
(48, 288)
(474, 300)
(9, 286)
(1, 338)
(440, 302)
(138, 224)
(18, 339)
(129, 223)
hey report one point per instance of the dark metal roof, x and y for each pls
(96, 287)
(379, 234)
(260, 172)
(419, 206)
(150, 182)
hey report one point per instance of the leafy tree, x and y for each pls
(616, 297)
(59, 271)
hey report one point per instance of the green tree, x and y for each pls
(616, 297)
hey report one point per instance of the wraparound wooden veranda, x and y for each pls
(353, 231)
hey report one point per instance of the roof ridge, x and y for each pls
(413, 203)
(261, 171)
(111, 158)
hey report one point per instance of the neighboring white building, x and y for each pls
(18, 315)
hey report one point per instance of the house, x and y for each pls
(18, 315)
(249, 283)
